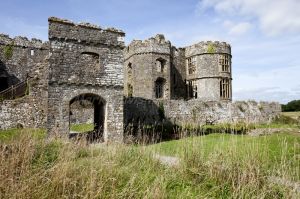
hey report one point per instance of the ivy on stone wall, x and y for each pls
(8, 51)
(211, 48)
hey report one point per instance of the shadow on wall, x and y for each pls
(178, 85)
(6, 80)
(145, 121)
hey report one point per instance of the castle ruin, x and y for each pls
(41, 82)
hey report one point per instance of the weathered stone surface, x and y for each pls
(85, 60)
(182, 112)
(141, 56)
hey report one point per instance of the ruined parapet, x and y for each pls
(62, 29)
(23, 42)
(208, 47)
(157, 44)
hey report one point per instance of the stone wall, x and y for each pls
(85, 60)
(82, 112)
(29, 111)
(19, 57)
(143, 111)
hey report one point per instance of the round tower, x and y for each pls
(147, 68)
(208, 69)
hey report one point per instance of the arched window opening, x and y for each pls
(87, 115)
(89, 59)
(159, 88)
(160, 65)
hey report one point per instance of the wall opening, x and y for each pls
(3, 83)
(192, 90)
(160, 65)
(159, 88)
(191, 65)
(225, 92)
(224, 63)
(87, 115)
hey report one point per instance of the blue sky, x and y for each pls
(264, 34)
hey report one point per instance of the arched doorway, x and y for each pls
(89, 107)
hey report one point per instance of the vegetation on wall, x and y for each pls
(211, 48)
(8, 51)
(291, 106)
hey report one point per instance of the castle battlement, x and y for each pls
(62, 29)
(23, 42)
(208, 47)
(157, 44)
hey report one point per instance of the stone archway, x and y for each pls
(86, 62)
(98, 112)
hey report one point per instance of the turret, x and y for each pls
(208, 69)
(147, 68)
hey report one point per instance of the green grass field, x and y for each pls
(82, 127)
(216, 165)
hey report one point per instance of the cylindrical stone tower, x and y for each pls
(147, 68)
(208, 69)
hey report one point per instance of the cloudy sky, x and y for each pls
(264, 34)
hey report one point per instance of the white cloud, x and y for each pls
(280, 84)
(238, 28)
(274, 16)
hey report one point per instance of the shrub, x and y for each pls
(8, 51)
(291, 106)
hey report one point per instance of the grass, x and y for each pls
(212, 166)
(15, 134)
(294, 115)
(273, 148)
(81, 128)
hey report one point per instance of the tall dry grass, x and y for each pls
(38, 168)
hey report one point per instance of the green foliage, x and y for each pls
(211, 48)
(291, 106)
(161, 111)
(46, 153)
(8, 51)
